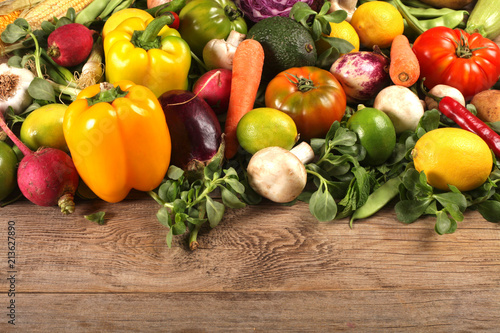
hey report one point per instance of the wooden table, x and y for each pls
(264, 268)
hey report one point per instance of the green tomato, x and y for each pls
(204, 20)
(43, 128)
(8, 167)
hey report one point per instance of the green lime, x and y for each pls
(43, 128)
(376, 134)
(266, 127)
(8, 170)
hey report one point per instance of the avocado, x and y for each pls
(286, 44)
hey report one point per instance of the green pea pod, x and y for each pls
(377, 200)
(450, 20)
(90, 13)
(410, 20)
(429, 13)
(110, 8)
(416, 4)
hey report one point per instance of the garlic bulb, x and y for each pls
(14, 83)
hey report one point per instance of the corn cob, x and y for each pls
(7, 19)
(48, 9)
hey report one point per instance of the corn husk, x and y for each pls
(9, 6)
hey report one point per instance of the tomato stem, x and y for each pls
(303, 84)
(463, 50)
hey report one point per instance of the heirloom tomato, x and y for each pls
(204, 20)
(468, 62)
(312, 96)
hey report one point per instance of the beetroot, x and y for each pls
(194, 129)
(46, 177)
(70, 44)
(215, 88)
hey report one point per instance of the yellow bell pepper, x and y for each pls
(145, 51)
(118, 138)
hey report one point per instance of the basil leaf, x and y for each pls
(97, 217)
(178, 228)
(163, 216)
(408, 211)
(235, 185)
(322, 205)
(490, 210)
(215, 211)
(42, 90)
(444, 224)
(230, 199)
(15, 31)
(169, 238)
(174, 172)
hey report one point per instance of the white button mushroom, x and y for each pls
(278, 174)
(442, 90)
(401, 105)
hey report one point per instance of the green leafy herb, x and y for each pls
(98, 218)
(186, 202)
(318, 24)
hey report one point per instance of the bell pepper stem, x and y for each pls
(153, 28)
(107, 94)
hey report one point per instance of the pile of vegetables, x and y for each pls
(155, 91)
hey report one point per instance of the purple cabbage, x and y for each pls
(256, 10)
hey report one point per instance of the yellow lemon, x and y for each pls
(377, 23)
(453, 156)
(265, 127)
(343, 30)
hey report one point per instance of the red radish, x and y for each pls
(70, 44)
(215, 88)
(46, 177)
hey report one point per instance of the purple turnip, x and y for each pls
(194, 129)
(46, 177)
(362, 74)
(215, 88)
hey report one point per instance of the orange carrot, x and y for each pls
(248, 61)
(404, 68)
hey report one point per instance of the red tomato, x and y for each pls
(312, 96)
(470, 63)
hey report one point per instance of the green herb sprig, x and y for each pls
(186, 203)
(318, 24)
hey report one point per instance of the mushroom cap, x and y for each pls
(277, 174)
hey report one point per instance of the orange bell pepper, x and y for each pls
(118, 139)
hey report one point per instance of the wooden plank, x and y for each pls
(262, 248)
(320, 311)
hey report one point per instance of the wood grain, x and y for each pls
(267, 267)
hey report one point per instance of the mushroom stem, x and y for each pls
(304, 152)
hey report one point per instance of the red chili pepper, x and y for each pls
(466, 120)
(175, 20)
